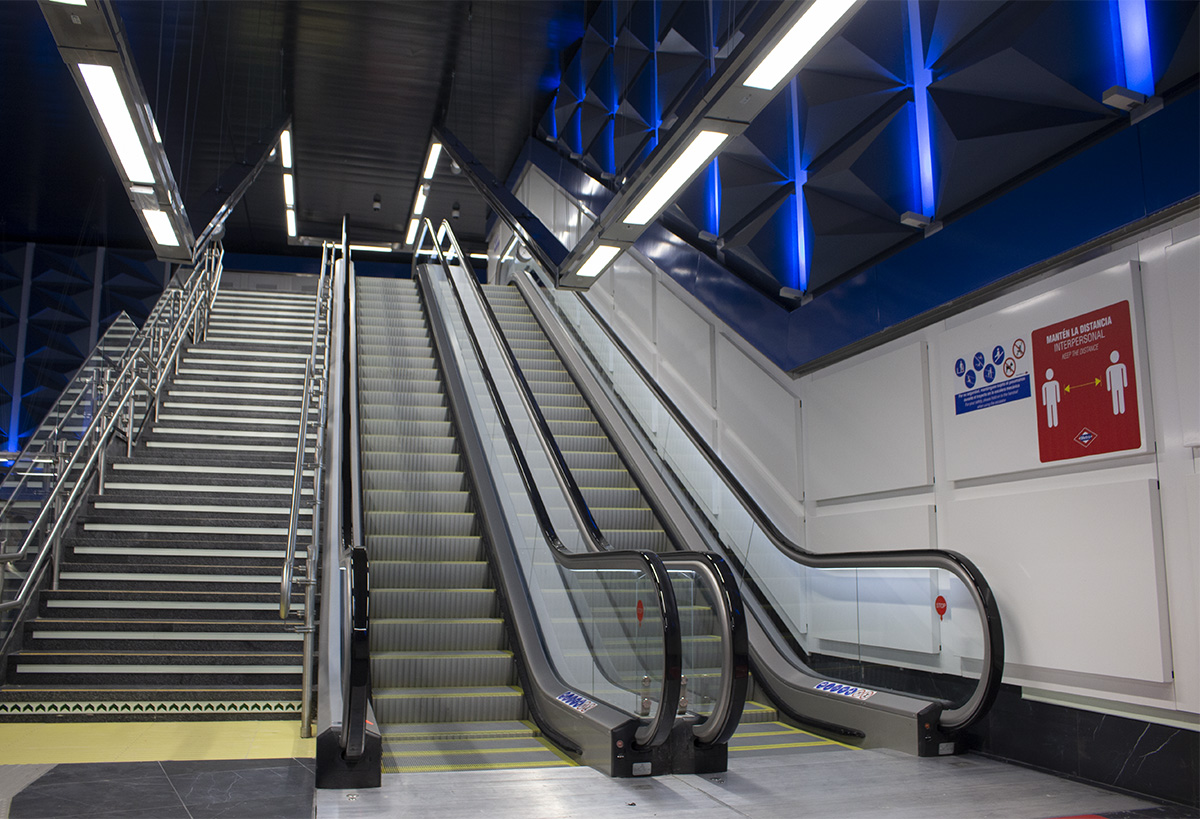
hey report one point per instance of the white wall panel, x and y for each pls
(759, 417)
(861, 530)
(633, 294)
(1182, 273)
(866, 427)
(685, 344)
(1077, 573)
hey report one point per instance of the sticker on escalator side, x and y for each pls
(577, 701)
(852, 691)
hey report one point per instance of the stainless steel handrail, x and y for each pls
(184, 314)
(65, 415)
(309, 581)
(657, 731)
(289, 559)
(31, 576)
(958, 565)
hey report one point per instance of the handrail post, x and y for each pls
(55, 545)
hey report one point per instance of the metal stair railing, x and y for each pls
(74, 439)
(316, 375)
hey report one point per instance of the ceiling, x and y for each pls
(1012, 87)
(363, 83)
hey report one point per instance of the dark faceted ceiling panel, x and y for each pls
(932, 107)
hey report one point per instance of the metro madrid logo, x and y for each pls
(852, 691)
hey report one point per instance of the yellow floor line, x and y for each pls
(787, 732)
(395, 750)
(491, 766)
(64, 742)
(780, 745)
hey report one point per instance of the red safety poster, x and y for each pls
(1084, 385)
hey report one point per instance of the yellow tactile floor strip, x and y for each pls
(53, 743)
(744, 740)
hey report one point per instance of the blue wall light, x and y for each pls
(922, 77)
(1135, 46)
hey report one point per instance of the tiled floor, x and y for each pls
(193, 782)
(196, 769)
(239, 789)
(839, 783)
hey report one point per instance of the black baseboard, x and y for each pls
(1130, 755)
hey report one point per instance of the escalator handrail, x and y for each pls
(993, 649)
(354, 563)
(722, 587)
(562, 472)
(657, 731)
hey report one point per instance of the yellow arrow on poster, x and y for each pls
(1095, 383)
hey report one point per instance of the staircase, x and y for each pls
(444, 681)
(168, 601)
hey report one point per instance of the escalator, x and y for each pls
(444, 679)
(616, 501)
(495, 638)
(849, 691)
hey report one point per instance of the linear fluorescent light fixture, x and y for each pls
(102, 84)
(412, 231)
(161, 227)
(595, 264)
(289, 191)
(435, 150)
(372, 248)
(698, 152)
(291, 223)
(478, 255)
(285, 148)
(419, 205)
(794, 46)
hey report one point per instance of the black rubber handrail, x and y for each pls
(657, 731)
(357, 672)
(993, 650)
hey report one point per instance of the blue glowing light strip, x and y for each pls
(714, 211)
(1135, 45)
(800, 277)
(922, 78)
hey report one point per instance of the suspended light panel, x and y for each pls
(285, 148)
(698, 152)
(800, 39)
(595, 264)
(435, 150)
(160, 227)
(291, 222)
(419, 205)
(412, 231)
(106, 93)
(289, 191)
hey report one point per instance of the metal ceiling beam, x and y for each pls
(216, 226)
(91, 34)
(541, 241)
